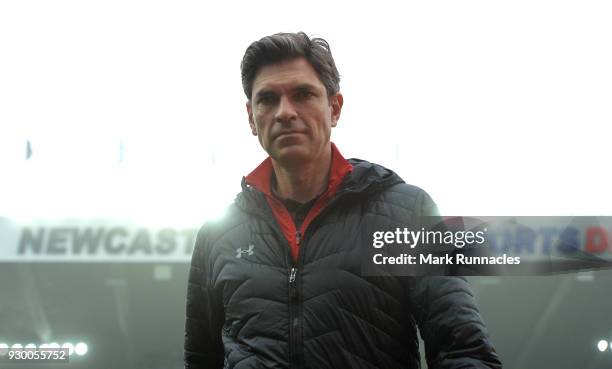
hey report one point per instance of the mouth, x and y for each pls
(288, 133)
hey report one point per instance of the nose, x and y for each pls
(286, 111)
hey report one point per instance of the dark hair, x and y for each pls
(285, 46)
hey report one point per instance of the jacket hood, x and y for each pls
(369, 177)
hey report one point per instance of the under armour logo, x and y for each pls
(240, 251)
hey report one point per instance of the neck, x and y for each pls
(303, 182)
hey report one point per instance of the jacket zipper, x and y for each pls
(295, 309)
(295, 324)
(296, 346)
(294, 319)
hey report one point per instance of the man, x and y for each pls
(277, 282)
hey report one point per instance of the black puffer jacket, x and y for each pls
(250, 306)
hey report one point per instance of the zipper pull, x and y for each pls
(298, 237)
(292, 286)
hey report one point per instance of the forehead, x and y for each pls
(285, 75)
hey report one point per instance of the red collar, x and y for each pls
(260, 177)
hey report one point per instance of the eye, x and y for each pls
(266, 99)
(304, 94)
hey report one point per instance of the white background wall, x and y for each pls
(495, 108)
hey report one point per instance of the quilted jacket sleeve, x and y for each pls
(449, 321)
(203, 346)
(454, 334)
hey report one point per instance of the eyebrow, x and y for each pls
(306, 86)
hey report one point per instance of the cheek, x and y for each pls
(263, 128)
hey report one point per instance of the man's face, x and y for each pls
(291, 113)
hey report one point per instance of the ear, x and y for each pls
(249, 108)
(336, 102)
